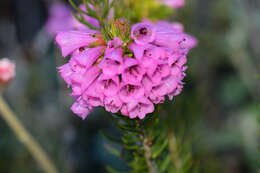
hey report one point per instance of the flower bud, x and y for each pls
(7, 71)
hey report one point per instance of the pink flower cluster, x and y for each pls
(127, 77)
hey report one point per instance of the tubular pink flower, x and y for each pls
(90, 76)
(89, 56)
(161, 71)
(142, 33)
(124, 110)
(177, 91)
(112, 63)
(109, 86)
(138, 50)
(139, 108)
(147, 84)
(130, 92)
(112, 104)
(7, 71)
(181, 61)
(93, 96)
(81, 108)
(76, 67)
(65, 72)
(167, 86)
(69, 41)
(133, 72)
(76, 90)
(113, 45)
(188, 43)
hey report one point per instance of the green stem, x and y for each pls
(148, 155)
(24, 136)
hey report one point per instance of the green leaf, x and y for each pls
(133, 147)
(122, 127)
(109, 137)
(106, 9)
(77, 8)
(165, 163)
(159, 148)
(91, 12)
(82, 20)
(112, 150)
(111, 170)
(130, 140)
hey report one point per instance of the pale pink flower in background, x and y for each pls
(174, 3)
(60, 19)
(7, 71)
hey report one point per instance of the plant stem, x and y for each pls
(147, 149)
(24, 136)
(148, 156)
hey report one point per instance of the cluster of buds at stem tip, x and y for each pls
(7, 71)
(124, 68)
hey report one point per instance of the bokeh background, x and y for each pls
(216, 116)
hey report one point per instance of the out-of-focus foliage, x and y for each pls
(215, 120)
(149, 145)
(147, 9)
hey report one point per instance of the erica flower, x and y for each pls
(112, 62)
(127, 76)
(109, 86)
(129, 92)
(81, 108)
(133, 72)
(139, 108)
(69, 41)
(113, 104)
(7, 71)
(142, 33)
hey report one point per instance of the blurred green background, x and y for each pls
(217, 115)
